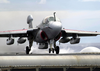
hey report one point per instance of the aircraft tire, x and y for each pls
(57, 49)
(49, 50)
(52, 50)
(27, 50)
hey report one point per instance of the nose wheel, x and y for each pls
(56, 50)
(51, 50)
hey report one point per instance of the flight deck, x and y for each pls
(54, 62)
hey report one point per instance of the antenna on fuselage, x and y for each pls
(54, 16)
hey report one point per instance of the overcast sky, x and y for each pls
(74, 14)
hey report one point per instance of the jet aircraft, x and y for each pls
(48, 32)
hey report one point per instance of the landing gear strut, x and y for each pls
(56, 48)
(28, 48)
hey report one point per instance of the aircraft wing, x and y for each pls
(17, 33)
(69, 33)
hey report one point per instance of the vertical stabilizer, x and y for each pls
(29, 21)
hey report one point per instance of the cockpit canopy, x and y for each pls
(48, 19)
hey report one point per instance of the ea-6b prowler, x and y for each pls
(47, 33)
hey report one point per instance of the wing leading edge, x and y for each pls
(14, 33)
(18, 33)
(70, 33)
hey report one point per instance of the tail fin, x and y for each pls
(29, 21)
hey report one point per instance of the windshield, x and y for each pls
(48, 19)
(52, 19)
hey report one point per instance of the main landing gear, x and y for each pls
(27, 50)
(51, 49)
(56, 49)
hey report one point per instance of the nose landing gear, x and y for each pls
(56, 48)
(51, 50)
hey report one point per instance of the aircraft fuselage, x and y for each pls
(50, 27)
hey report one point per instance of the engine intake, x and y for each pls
(41, 37)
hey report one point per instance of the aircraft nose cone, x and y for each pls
(55, 29)
(55, 26)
